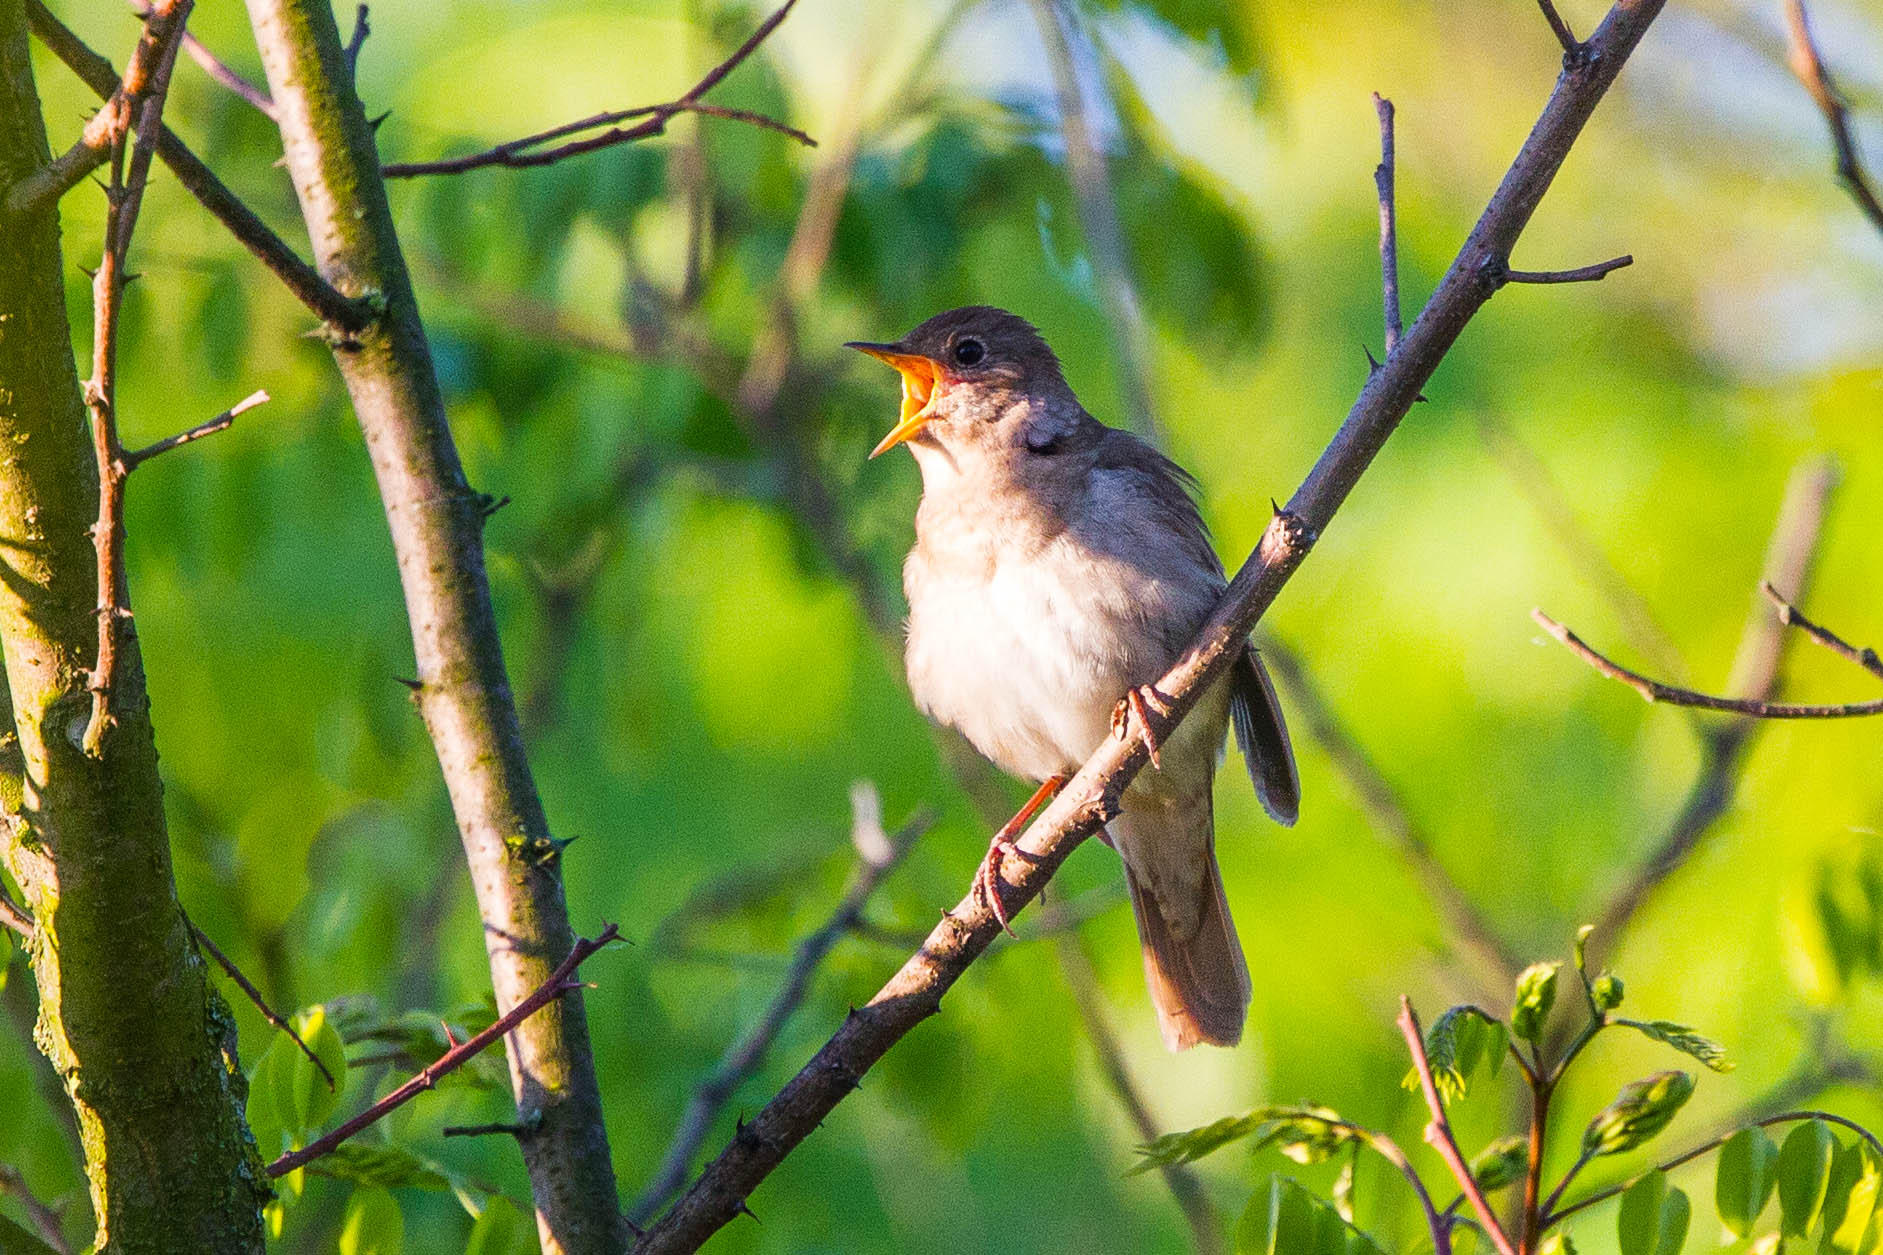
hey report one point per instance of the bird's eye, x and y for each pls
(968, 352)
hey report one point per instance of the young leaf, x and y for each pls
(1606, 992)
(1182, 1147)
(1676, 1215)
(1683, 1039)
(1804, 1175)
(1641, 1110)
(1501, 1163)
(1747, 1173)
(501, 1229)
(1307, 1135)
(1638, 1221)
(1850, 1198)
(390, 1166)
(302, 1097)
(1580, 950)
(373, 1224)
(1455, 1044)
(1536, 994)
(1557, 1243)
(1342, 1194)
(1277, 1221)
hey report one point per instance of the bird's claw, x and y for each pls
(1140, 700)
(987, 882)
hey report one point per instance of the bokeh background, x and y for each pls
(697, 569)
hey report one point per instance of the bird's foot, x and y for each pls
(987, 876)
(1140, 701)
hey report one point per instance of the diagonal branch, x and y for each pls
(1809, 67)
(1791, 616)
(247, 986)
(341, 312)
(529, 151)
(915, 992)
(560, 982)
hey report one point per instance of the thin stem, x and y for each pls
(1560, 28)
(558, 984)
(1438, 1133)
(1581, 274)
(255, 996)
(1541, 1090)
(1809, 67)
(1549, 1206)
(1383, 176)
(1655, 691)
(1688, 1156)
(1791, 616)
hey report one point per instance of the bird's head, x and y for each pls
(977, 377)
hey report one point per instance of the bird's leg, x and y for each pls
(1140, 700)
(987, 876)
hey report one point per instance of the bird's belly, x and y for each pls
(1027, 663)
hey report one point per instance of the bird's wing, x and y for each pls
(1263, 734)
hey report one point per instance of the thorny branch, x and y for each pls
(327, 303)
(529, 151)
(560, 982)
(1090, 798)
(1809, 67)
(1438, 1133)
(255, 996)
(877, 856)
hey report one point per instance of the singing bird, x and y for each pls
(1060, 567)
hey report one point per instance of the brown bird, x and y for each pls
(1059, 564)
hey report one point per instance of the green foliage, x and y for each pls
(502, 1229)
(1683, 1039)
(1653, 1217)
(1536, 994)
(1850, 1199)
(288, 1097)
(1804, 1175)
(373, 1225)
(1456, 1045)
(1282, 1218)
(1605, 991)
(1746, 1176)
(1501, 1163)
(1639, 1112)
(1306, 1134)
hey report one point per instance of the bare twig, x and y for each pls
(342, 312)
(1438, 1133)
(14, 916)
(1789, 558)
(1655, 691)
(1068, 50)
(1534, 481)
(219, 70)
(135, 458)
(141, 98)
(1465, 925)
(44, 1219)
(1086, 802)
(1581, 274)
(255, 996)
(1383, 175)
(1206, 1226)
(877, 857)
(1809, 67)
(529, 151)
(1564, 36)
(1791, 616)
(496, 1129)
(559, 983)
(357, 40)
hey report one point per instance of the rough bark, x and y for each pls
(143, 1044)
(462, 691)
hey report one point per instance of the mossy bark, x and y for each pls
(463, 692)
(144, 1045)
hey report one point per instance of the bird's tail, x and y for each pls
(1193, 963)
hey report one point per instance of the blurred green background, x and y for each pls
(640, 350)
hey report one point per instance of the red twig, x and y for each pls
(1655, 691)
(528, 150)
(551, 989)
(1438, 1132)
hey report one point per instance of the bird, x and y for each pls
(1060, 567)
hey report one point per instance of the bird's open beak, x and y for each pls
(922, 384)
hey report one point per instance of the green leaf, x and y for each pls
(1501, 1163)
(1192, 1144)
(1748, 1172)
(501, 1229)
(1536, 994)
(1804, 1175)
(1850, 1198)
(1342, 1194)
(373, 1224)
(1282, 1218)
(1606, 993)
(1557, 1243)
(1683, 1039)
(303, 1097)
(389, 1166)
(1654, 1217)
(1456, 1043)
(1641, 1110)
(1581, 947)
(1307, 1135)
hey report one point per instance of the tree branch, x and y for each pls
(529, 151)
(560, 982)
(1791, 616)
(877, 857)
(1809, 67)
(1438, 1133)
(1089, 799)
(463, 692)
(1581, 274)
(341, 312)
(255, 996)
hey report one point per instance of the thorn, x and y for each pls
(131, 276)
(449, 1035)
(415, 685)
(1275, 508)
(747, 1211)
(1371, 364)
(374, 122)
